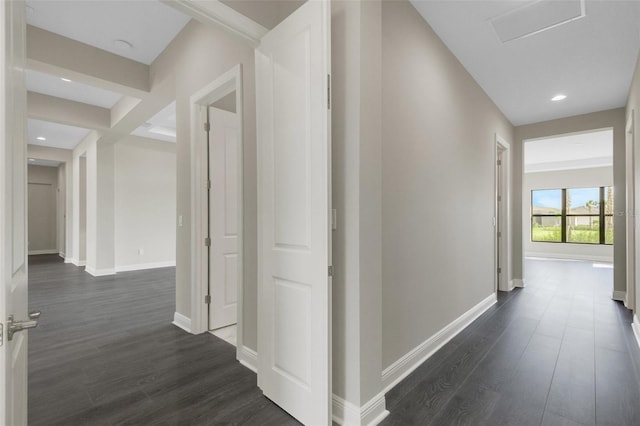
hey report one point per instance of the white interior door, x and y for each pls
(13, 194)
(294, 311)
(225, 259)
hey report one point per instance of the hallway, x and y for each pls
(559, 352)
(105, 352)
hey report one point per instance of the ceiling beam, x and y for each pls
(63, 57)
(64, 111)
(219, 14)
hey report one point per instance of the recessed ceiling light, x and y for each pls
(557, 98)
(41, 138)
(122, 44)
(31, 159)
(65, 79)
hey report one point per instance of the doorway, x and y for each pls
(503, 280)
(217, 292)
(568, 198)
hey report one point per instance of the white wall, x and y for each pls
(82, 210)
(579, 178)
(145, 203)
(438, 149)
(61, 208)
(43, 209)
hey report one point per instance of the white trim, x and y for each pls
(247, 357)
(80, 263)
(37, 252)
(561, 256)
(61, 254)
(217, 89)
(505, 214)
(620, 296)
(71, 260)
(347, 413)
(635, 325)
(181, 321)
(100, 272)
(404, 366)
(216, 13)
(141, 266)
(516, 283)
(631, 196)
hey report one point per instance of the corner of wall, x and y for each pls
(181, 321)
(371, 413)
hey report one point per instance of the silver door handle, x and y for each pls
(15, 326)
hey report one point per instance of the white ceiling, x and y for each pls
(576, 151)
(591, 60)
(57, 135)
(148, 25)
(161, 126)
(79, 92)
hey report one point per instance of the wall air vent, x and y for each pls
(536, 17)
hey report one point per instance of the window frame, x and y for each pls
(601, 215)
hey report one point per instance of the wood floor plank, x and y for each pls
(105, 353)
(558, 352)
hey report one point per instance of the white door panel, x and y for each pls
(294, 311)
(225, 259)
(13, 202)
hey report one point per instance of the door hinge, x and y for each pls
(207, 242)
(207, 299)
(328, 91)
(499, 162)
(331, 270)
(499, 234)
(207, 126)
(499, 198)
(208, 184)
(499, 270)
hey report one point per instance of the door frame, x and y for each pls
(503, 245)
(631, 188)
(199, 101)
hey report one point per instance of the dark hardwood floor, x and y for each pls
(559, 352)
(105, 353)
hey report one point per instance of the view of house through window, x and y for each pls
(572, 215)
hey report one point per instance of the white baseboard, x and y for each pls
(620, 296)
(516, 283)
(635, 325)
(141, 266)
(81, 263)
(61, 254)
(36, 252)
(404, 366)
(182, 322)
(100, 272)
(561, 256)
(348, 414)
(71, 260)
(248, 358)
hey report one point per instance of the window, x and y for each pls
(574, 215)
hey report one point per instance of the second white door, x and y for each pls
(225, 257)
